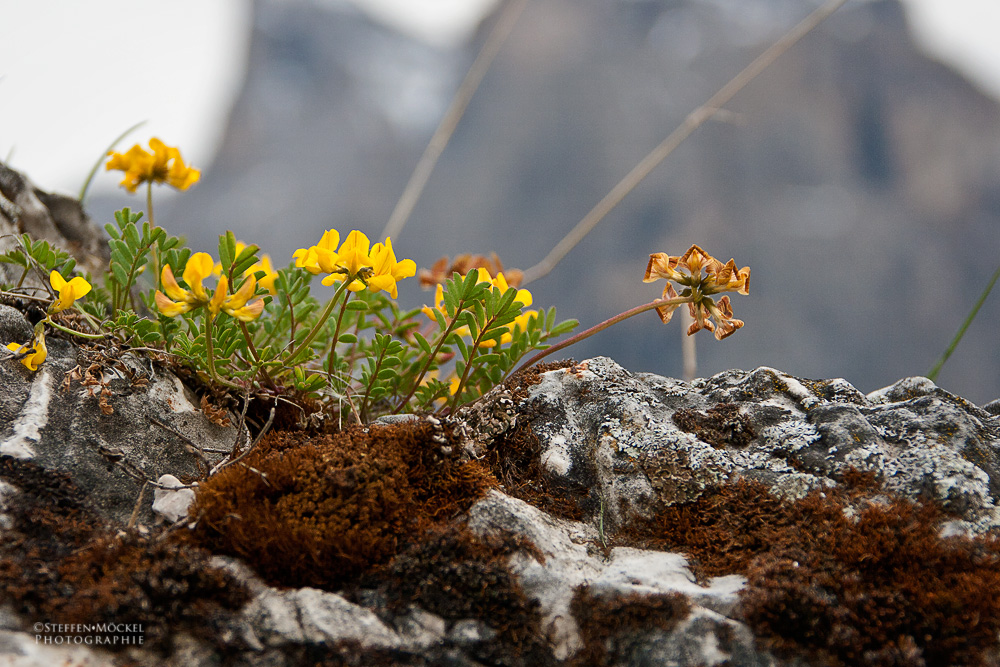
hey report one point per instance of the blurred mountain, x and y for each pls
(858, 178)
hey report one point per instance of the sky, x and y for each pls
(74, 75)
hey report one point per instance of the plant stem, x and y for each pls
(149, 202)
(319, 325)
(100, 160)
(422, 172)
(73, 332)
(621, 317)
(333, 344)
(965, 325)
(431, 357)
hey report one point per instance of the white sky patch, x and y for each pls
(444, 23)
(962, 34)
(74, 75)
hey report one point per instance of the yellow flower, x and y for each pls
(235, 304)
(686, 271)
(322, 257)
(68, 291)
(387, 270)
(34, 352)
(353, 256)
(438, 304)
(374, 268)
(163, 165)
(178, 300)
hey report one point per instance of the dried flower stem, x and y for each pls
(621, 317)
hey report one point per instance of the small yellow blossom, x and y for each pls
(686, 271)
(270, 275)
(34, 352)
(178, 300)
(373, 267)
(387, 270)
(163, 165)
(68, 291)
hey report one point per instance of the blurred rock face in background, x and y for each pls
(859, 179)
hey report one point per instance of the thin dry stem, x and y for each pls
(422, 172)
(694, 120)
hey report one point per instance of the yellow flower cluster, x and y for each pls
(483, 276)
(32, 354)
(686, 270)
(375, 268)
(200, 265)
(163, 165)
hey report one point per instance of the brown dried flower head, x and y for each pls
(700, 275)
(462, 264)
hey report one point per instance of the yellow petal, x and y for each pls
(215, 304)
(247, 313)
(199, 266)
(168, 307)
(174, 291)
(353, 253)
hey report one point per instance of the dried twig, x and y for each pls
(694, 120)
(444, 131)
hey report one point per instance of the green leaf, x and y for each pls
(469, 284)
(348, 338)
(422, 342)
(564, 327)
(247, 253)
(227, 250)
(387, 374)
(132, 236)
(470, 321)
(442, 323)
(119, 274)
(486, 359)
(356, 305)
(463, 348)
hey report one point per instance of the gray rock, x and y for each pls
(149, 424)
(635, 440)
(14, 327)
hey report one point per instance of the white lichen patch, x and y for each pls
(555, 458)
(34, 416)
(170, 391)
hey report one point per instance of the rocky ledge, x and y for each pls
(579, 514)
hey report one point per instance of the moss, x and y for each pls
(515, 460)
(612, 627)
(61, 563)
(456, 575)
(843, 576)
(320, 511)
